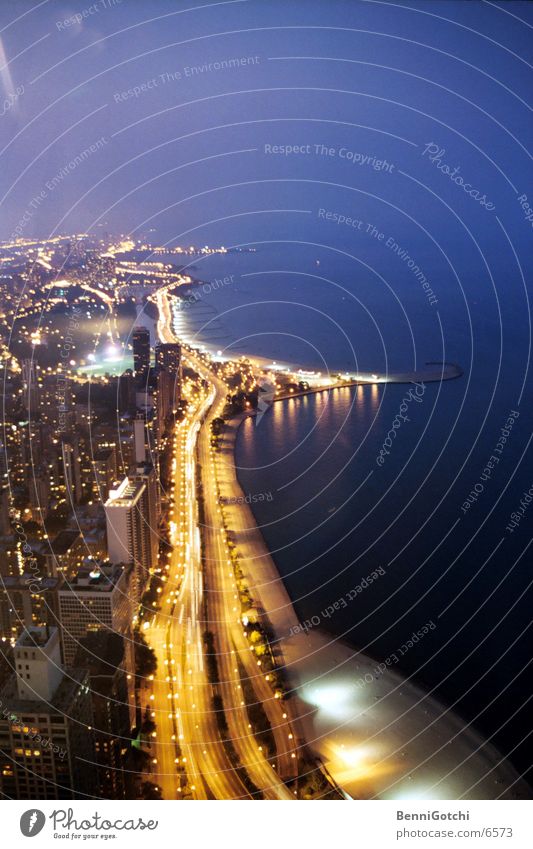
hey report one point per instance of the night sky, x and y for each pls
(186, 154)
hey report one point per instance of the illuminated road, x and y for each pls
(191, 760)
(224, 621)
(108, 300)
(177, 632)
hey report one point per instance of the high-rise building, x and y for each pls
(139, 439)
(32, 444)
(165, 403)
(168, 357)
(27, 600)
(5, 522)
(104, 468)
(39, 487)
(103, 654)
(146, 473)
(30, 387)
(168, 361)
(4, 451)
(126, 392)
(65, 553)
(37, 660)
(141, 354)
(56, 402)
(46, 723)
(71, 473)
(99, 601)
(129, 534)
(11, 557)
(97, 598)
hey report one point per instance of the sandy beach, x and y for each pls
(379, 735)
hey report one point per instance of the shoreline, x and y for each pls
(374, 746)
(389, 739)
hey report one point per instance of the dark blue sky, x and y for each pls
(378, 79)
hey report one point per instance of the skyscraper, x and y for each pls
(27, 600)
(30, 390)
(104, 655)
(46, 739)
(168, 356)
(168, 362)
(139, 439)
(147, 474)
(104, 468)
(126, 392)
(96, 599)
(71, 473)
(5, 523)
(129, 534)
(141, 354)
(65, 553)
(39, 487)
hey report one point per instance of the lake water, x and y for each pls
(336, 513)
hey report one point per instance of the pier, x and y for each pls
(433, 372)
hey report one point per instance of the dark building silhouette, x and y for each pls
(28, 600)
(126, 392)
(103, 654)
(141, 354)
(46, 738)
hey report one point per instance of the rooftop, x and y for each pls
(94, 578)
(63, 542)
(103, 454)
(14, 583)
(125, 495)
(102, 652)
(73, 679)
(36, 637)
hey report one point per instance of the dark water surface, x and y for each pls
(337, 513)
